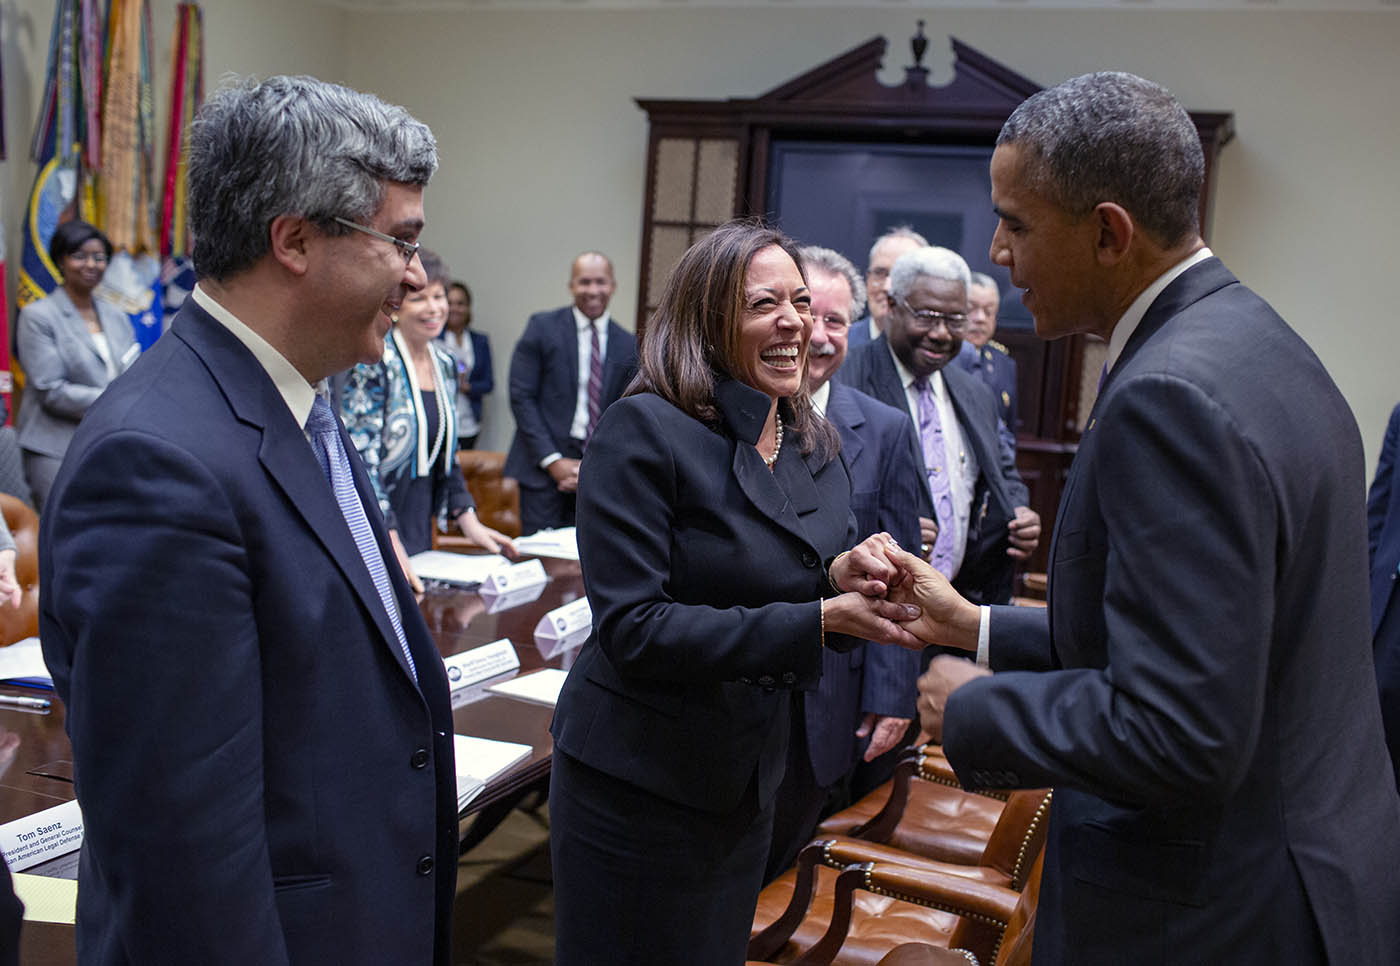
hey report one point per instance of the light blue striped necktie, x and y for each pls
(321, 425)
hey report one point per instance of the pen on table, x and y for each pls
(16, 701)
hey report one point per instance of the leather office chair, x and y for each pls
(923, 810)
(497, 497)
(17, 624)
(803, 905)
(875, 908)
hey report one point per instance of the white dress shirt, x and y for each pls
(959, 459)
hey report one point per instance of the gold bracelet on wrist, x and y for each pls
(821, 617)
(831, 571)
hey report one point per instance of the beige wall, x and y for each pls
(543, 147)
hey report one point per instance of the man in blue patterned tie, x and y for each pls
(260, 722)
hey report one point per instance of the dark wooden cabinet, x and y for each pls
(709, 161)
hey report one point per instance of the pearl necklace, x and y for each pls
(439, 392)
(777, 444)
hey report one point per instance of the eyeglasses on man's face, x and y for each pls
(406, 248)
(927, 319)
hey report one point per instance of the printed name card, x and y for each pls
(480, 663)
(495, 603)
(521, 576)
(564, 627)
(42, 836)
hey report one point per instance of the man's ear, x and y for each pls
(291, 238)
(1115, 232)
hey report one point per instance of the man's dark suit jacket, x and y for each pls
(885, 488)
(1221, 785)
(704, 571)
(1383, 525)
(987, 572)
(544, 388)
(261, 779)
(997, 370)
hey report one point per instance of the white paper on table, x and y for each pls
(481, 759)
(561, 543)
(23, 660)
(463, 569)
(539, 687)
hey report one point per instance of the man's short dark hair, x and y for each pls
(1113, 137)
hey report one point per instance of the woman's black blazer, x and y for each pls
(704, 572)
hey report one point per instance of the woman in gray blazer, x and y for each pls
(71, 346)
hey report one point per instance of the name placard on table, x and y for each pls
(42, 836)
(478, 664)
(564, 627)
(508, 580)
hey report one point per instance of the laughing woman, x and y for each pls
(712, 505)
(401, 414)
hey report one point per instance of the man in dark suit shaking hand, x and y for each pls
(569, 366)
(1201, 693)
(260, 719)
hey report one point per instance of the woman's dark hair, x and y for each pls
(72, 235)
(694, 334)
(434, 268)
(462, 287)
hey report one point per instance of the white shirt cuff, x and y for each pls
(544, 463)
(984, 635)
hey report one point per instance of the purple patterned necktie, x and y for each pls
(595, 383)
(939, 485)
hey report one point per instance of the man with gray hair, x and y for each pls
(1201, 692)
(887, 248)
(260, 720)
(975, 521)
(864, 701)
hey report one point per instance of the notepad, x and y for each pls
(539, 687)
(561, 543)
(23, 663)
(479, 760)
(462, 569)
(47, 899)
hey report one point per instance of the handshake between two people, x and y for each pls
(890, 596)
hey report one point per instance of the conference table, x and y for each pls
(41, 774)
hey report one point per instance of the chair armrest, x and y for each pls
(988, 907)
(766, 944)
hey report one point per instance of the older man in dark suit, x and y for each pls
(260, 719)
(975, 522)
(984, 356)
(1199, 692)
(567, 368)
(864, 702)
(1383, 526)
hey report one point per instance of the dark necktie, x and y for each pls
(330, 453)
(595, 382)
